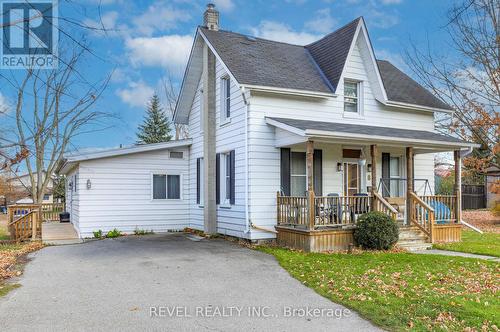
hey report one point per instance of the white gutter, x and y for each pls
(415, 107)
(293, 92)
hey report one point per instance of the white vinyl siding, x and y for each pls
(121, 194)
(230, 135)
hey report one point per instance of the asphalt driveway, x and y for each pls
(165, 282)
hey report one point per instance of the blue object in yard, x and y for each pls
(3, 209)
(442, 212)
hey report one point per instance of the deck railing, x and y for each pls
(50, 211)
(381, 205)
(445, 207)
(421, 215)
(322, 211)
(24, 222)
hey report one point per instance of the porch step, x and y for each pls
(413, 239)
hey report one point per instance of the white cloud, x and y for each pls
(282, 32)
(137, 94)
(323, 22)
(224, 5)
(107, 25)
(159, 17)
(170, 52)
(391, 2)
(381, 19)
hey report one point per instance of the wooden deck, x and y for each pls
(56, 233)
(316, 224)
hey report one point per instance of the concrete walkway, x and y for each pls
(456, 253)
(188, 285)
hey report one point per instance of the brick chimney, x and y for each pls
(211, 17)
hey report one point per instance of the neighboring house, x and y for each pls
(272, 125)
(492, 179)
(23, 184)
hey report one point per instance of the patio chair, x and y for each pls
(334, 208)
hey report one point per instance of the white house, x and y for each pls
(284, 139)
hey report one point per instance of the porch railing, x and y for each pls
(313, 212)
(380, 204)
(445, 207)
(421, 215)
(50, 211)
(25, 222)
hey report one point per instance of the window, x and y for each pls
(176, 154)
(395, 175)
(225, 99)
(200, 184)
(298, 174)
(166, 186)
(46, 197)
(173, 186)
(159, 186)
(351, 93)
(225, 178)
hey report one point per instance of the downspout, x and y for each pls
(247, 212)
(463, 154)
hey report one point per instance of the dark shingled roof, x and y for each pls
(400, 87)
(315, 67)
(368, 130)
(256, 61)
(330, 52)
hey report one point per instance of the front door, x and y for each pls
(351, 178)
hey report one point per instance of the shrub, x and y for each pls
(376, 231)
(98, 234)
(496, 210)
(138, 231)
(114, 233)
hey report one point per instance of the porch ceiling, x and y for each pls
(423, 141)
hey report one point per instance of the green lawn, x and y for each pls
(475, 243)
(403, 291)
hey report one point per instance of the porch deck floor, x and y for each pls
(56, 233)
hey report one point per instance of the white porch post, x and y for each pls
(409, 184)
(310, 182)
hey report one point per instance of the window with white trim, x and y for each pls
(351, 96)
(298, 183)
(176, 154)
(225, 178)
(166, 186)
(225, 99)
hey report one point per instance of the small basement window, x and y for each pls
(176, 154)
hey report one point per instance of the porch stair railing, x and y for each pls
(421, 215)
(381, 205)
(26, 226)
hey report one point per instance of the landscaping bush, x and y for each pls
(114, 233)
(376, 230)
(138, 231)
(98, 234)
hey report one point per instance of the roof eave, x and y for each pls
(294, 92)
(416, 107)
(129, 150)
(410, 141)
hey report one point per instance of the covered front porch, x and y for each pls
(329, 179)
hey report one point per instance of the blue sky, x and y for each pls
(149, 40)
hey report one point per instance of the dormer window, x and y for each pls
(225, 99)
(351, 96)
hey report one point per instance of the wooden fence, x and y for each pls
(473, 196)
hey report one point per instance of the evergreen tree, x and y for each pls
(156, 127)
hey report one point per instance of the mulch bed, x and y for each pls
(485, 220)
